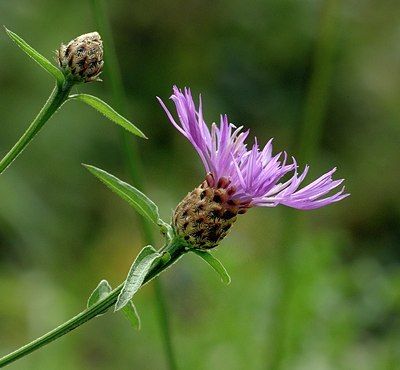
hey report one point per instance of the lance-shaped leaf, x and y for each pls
(100, 292)
(109, 112)
(139, 201)
(216, 264)
(37, 57)
(132, 315)
(137, 273)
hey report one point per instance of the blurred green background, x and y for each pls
(310, 290)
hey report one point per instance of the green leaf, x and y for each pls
(132, 315)
(109, 112)
(216, 264)
(37, 57)
(166, 230)
(137, 273)
(100, 292)
(133, 196)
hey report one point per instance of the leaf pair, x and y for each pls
(147, 257)
(142, 265)
(93, 101)
(140, 268)
(102, 291)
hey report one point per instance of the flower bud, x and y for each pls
(203, 218)
(82, 59)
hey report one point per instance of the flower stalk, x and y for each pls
(58, 96)
(175, 248)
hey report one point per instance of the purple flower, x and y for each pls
(251, 177)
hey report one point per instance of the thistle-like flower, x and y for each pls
(237, 178)
(82, 59)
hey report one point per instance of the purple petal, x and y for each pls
(256, 175)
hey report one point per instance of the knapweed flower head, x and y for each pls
(82, 59)
(237, 178)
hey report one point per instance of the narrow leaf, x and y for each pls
(37, 57)
(216, 264)
(133, 196)
(137, 273)
(130, 312)
(109, 112)
(166, 230)
(100, 292)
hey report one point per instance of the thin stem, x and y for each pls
(318, 90)
(175, 249)
(113, 72)
(58, 96)
(134, 162)
(291, 307)
(63, 329)
(165, 324)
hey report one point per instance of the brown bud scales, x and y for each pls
(82, 59)
(204, 217)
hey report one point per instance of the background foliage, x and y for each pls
(317, 289)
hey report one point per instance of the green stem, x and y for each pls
(317, 98)
(58, 96)
(164, 323)
(133, 161)
(176, 251)
(63, 329)
(291, 309)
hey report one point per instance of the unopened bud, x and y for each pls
(82, 59)
(203, 218)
